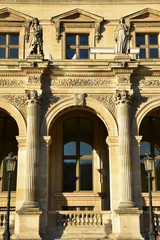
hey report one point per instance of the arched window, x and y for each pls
(8, 143)
(77, 154)
(149, 130)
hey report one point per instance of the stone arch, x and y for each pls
(15, 113)
(144, 109)
(101, 111)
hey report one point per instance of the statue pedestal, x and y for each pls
(35, 57)
(28, 224)
(121, 57)
(129, 224)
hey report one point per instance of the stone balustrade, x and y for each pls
(76, 218)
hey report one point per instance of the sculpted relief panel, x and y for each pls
(19, 101)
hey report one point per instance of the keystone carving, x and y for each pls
(80, 99)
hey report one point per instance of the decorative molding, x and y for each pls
(123, 97)
(80, 99)
(123, 79)
(70, 82)
(107, 100)
(33, 96)
(19, 101)
(11, 82)
(34, 79)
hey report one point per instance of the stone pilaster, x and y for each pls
(123, 100)
(32, 148)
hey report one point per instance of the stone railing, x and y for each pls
(82, 218)
(3, 220)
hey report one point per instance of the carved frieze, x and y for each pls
(34, 79)
(107, 100)
(123, 79)
(11, 82)
(146, 83)
(77, 82)
(19, 101)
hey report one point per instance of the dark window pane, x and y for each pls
(83, 53)
(13, 53)
(14, 39)
(2, 53)
(83, 40)
(2, 39)
(142, 53)
(70, 53)
(153, 53)
(153, 39)
(85, 149)
(71, 40)
(140, 40)
(69, 129)
(86, 130)
(69, 175)
(70, 149)
(12, 129)
(86, 174)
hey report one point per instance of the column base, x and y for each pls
(28, 221)
(126, 204)
(129, 224)
(30, 204)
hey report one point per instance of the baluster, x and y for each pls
(78, 219)
(87, 219)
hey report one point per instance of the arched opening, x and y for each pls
(8, 143)
(78, 163)
(149, 130)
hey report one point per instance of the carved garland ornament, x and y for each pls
(146, 83)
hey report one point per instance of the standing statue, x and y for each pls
(121, 36)
(35, 37)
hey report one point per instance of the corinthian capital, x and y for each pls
(123, 97)
(33, 96)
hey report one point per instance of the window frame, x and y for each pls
(9, 46)
(147, 46)
(77, 45)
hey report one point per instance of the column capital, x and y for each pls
(123, 96)
(136, 140)
(33, 96)
(112, 141)
(21, 141)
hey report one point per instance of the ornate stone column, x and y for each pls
(123, 100)
(32, 148)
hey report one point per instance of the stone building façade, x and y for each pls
(80, 118)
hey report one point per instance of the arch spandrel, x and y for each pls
(15, 113)
(91, 104)
(142, 112)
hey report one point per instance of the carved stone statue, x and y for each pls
(121, 36)
(35, 37)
